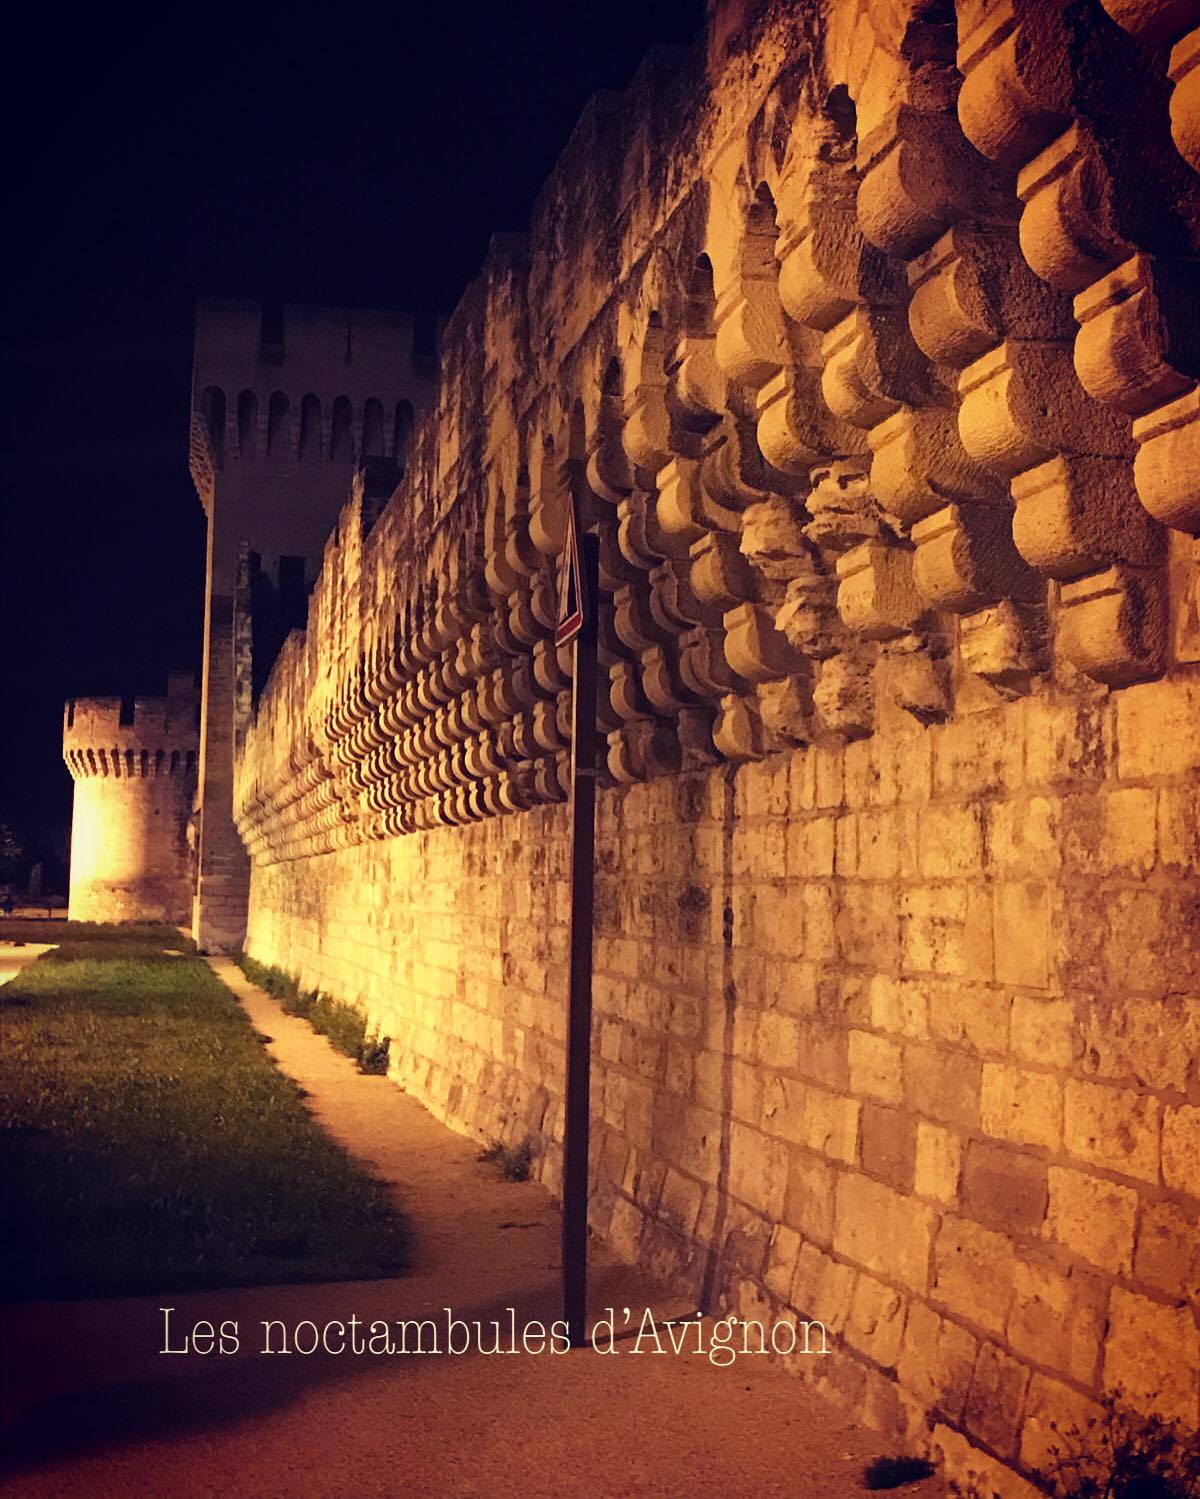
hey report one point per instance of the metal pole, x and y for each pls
(579, 1004)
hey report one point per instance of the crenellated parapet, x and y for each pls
(323, 387)
(124, 738)
(868, 352)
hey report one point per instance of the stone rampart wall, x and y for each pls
(866, 345)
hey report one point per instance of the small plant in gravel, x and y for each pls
(514, 1161)
(1126, 1455)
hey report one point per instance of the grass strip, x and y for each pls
(342, 1024)
(147, 1141)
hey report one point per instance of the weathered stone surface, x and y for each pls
(1152, 1355)
(937, 1360)
(996, 1398)
(1114, 1128)
(973, 1272)
(1093, 1217)
(1181, 1149)
(1004, 1188)
(1167, 1259)
(938, 1163)
(883, 1230)
(1057, 1318)
(1021, 1105)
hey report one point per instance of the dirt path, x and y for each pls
(98, 1411)
(17, 955)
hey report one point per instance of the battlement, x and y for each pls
(127, 737)
(318, 385)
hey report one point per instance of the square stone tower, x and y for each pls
(283, 412)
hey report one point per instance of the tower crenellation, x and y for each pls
(320, 387)
(121, 736)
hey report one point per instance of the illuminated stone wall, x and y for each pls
(866, 344)
(134, 768)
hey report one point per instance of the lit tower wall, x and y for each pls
(281, 416)
(134, 766)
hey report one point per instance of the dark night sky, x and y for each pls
(344, 158)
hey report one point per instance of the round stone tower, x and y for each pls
(134, 766)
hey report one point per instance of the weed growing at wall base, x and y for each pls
(1127, 1455)
(514, 1161)
(343, 1025)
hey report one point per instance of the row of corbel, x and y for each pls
(964, 328)
(118, 764)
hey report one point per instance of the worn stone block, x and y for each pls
(974, 1270)
(1092, 1217)
(950, 841)
(1156, 730)
(1065, 742)
(875, 1067)
(941, 1084)
(970, 1016)
(936, 1362)
(888, 1145)
(1021, 1106)
(900, 1006)
(938, 1163)
(1055, 1415)
(1003, 1188)
(1179, 829)
(808, 1203)
(1113, 1128)
(883, 1230)
(1152, 1355)
(810, 848)
(1167, 1258)
(823, 1288)
(1112, 834)
(947, 929)
(831, 1125)
(781, 1260)
(973, 1471)
(1044, 1030)
(876, 1322)
(758, 1168)
(1022, 934)
(868, 927)
(1023, 838)
(995, 1399)
(1181, 1149)
(1057, 1318)
(1152, 1043)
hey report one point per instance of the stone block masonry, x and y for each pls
(827, 1085)
(886, 441)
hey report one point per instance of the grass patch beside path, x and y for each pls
(147, 1141)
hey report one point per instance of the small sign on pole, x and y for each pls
(573, 602)
(579, 587)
